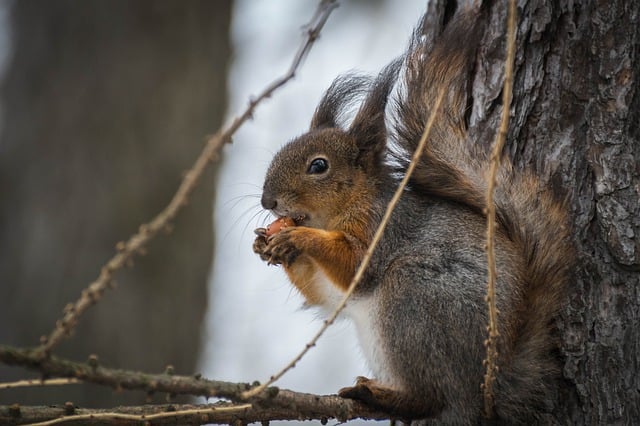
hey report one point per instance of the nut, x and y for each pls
(278, 225)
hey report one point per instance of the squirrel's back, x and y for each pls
(532, 221)
(420, 309)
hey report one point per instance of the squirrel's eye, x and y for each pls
(318, 166)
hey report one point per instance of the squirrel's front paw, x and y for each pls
(281, 248)
(260, 245)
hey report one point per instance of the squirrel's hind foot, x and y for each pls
(397, 404)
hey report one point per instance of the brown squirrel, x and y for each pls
(420, 309)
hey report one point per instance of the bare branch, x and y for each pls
(136, 243)
(92, 372)
(492, 340)
(274, 404)
(158, 414)
(220, 413)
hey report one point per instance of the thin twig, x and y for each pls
(365, 260)
(145, 417)
(136, 243)
(39, 382)
(492, 340)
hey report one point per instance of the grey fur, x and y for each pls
(426, 284)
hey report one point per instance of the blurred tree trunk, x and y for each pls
(105, 104)
(576, 120)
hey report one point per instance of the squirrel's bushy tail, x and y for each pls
(454, 168)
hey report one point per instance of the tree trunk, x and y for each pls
(106, 103)
(575, 120)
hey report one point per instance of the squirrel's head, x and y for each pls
(319, 177)
(315, 176)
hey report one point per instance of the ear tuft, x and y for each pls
(343, 92)
(368, 128)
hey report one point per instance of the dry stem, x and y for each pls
(205, 412)
(491, 342)
(365, 260)
(136, 243)
(38, 382)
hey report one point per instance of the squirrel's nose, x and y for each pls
(268, 201)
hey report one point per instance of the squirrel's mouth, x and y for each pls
(297, 217)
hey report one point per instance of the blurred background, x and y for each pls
(104, 104)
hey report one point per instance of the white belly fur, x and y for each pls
(362, 311)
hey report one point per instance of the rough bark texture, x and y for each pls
(575, 119)
(106, 103)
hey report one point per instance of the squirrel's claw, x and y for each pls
(281, 248)
(271, 258)
(260, 247)
(277, 249)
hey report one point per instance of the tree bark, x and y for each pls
(106, 103)
(575, 119)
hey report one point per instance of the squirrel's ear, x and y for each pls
(368, 127)
(343, 92)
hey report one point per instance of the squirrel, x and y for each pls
(420, 310)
